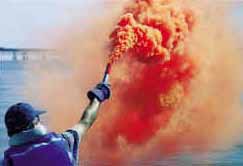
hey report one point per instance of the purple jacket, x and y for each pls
(48, 150)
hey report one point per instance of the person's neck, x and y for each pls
(26, 136)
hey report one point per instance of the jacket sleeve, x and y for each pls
(72, 138)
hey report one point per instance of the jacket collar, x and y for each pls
(26, 136)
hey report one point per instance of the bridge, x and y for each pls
(25, 54)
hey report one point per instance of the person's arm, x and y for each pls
(96, 96)
(74, 135)
(88, 118)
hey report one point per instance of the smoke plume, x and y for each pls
(175, 82)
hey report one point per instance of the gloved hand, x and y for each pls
(101, 92)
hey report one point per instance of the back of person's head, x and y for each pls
(21, 117)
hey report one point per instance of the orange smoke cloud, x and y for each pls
(154, 33)
(151, 30)
(157, 102)
(177, 81)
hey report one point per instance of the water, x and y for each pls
(12, 76)
(12, 81)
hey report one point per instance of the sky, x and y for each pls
(24, 23)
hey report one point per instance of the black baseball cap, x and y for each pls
(19, 116)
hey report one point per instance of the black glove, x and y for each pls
(101, 92)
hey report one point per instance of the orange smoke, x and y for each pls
(153, 33)
(142, 40)
(157, 103)
(177, 81)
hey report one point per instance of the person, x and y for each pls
(31, 145)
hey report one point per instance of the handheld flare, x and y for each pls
(102, 90)
(107, 74)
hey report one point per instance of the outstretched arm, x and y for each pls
(74, 135)
(96, 96)
(88, 118)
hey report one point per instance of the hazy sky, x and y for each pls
(24, 22)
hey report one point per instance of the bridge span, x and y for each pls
(25, 54)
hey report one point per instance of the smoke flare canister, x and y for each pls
(107, 74)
